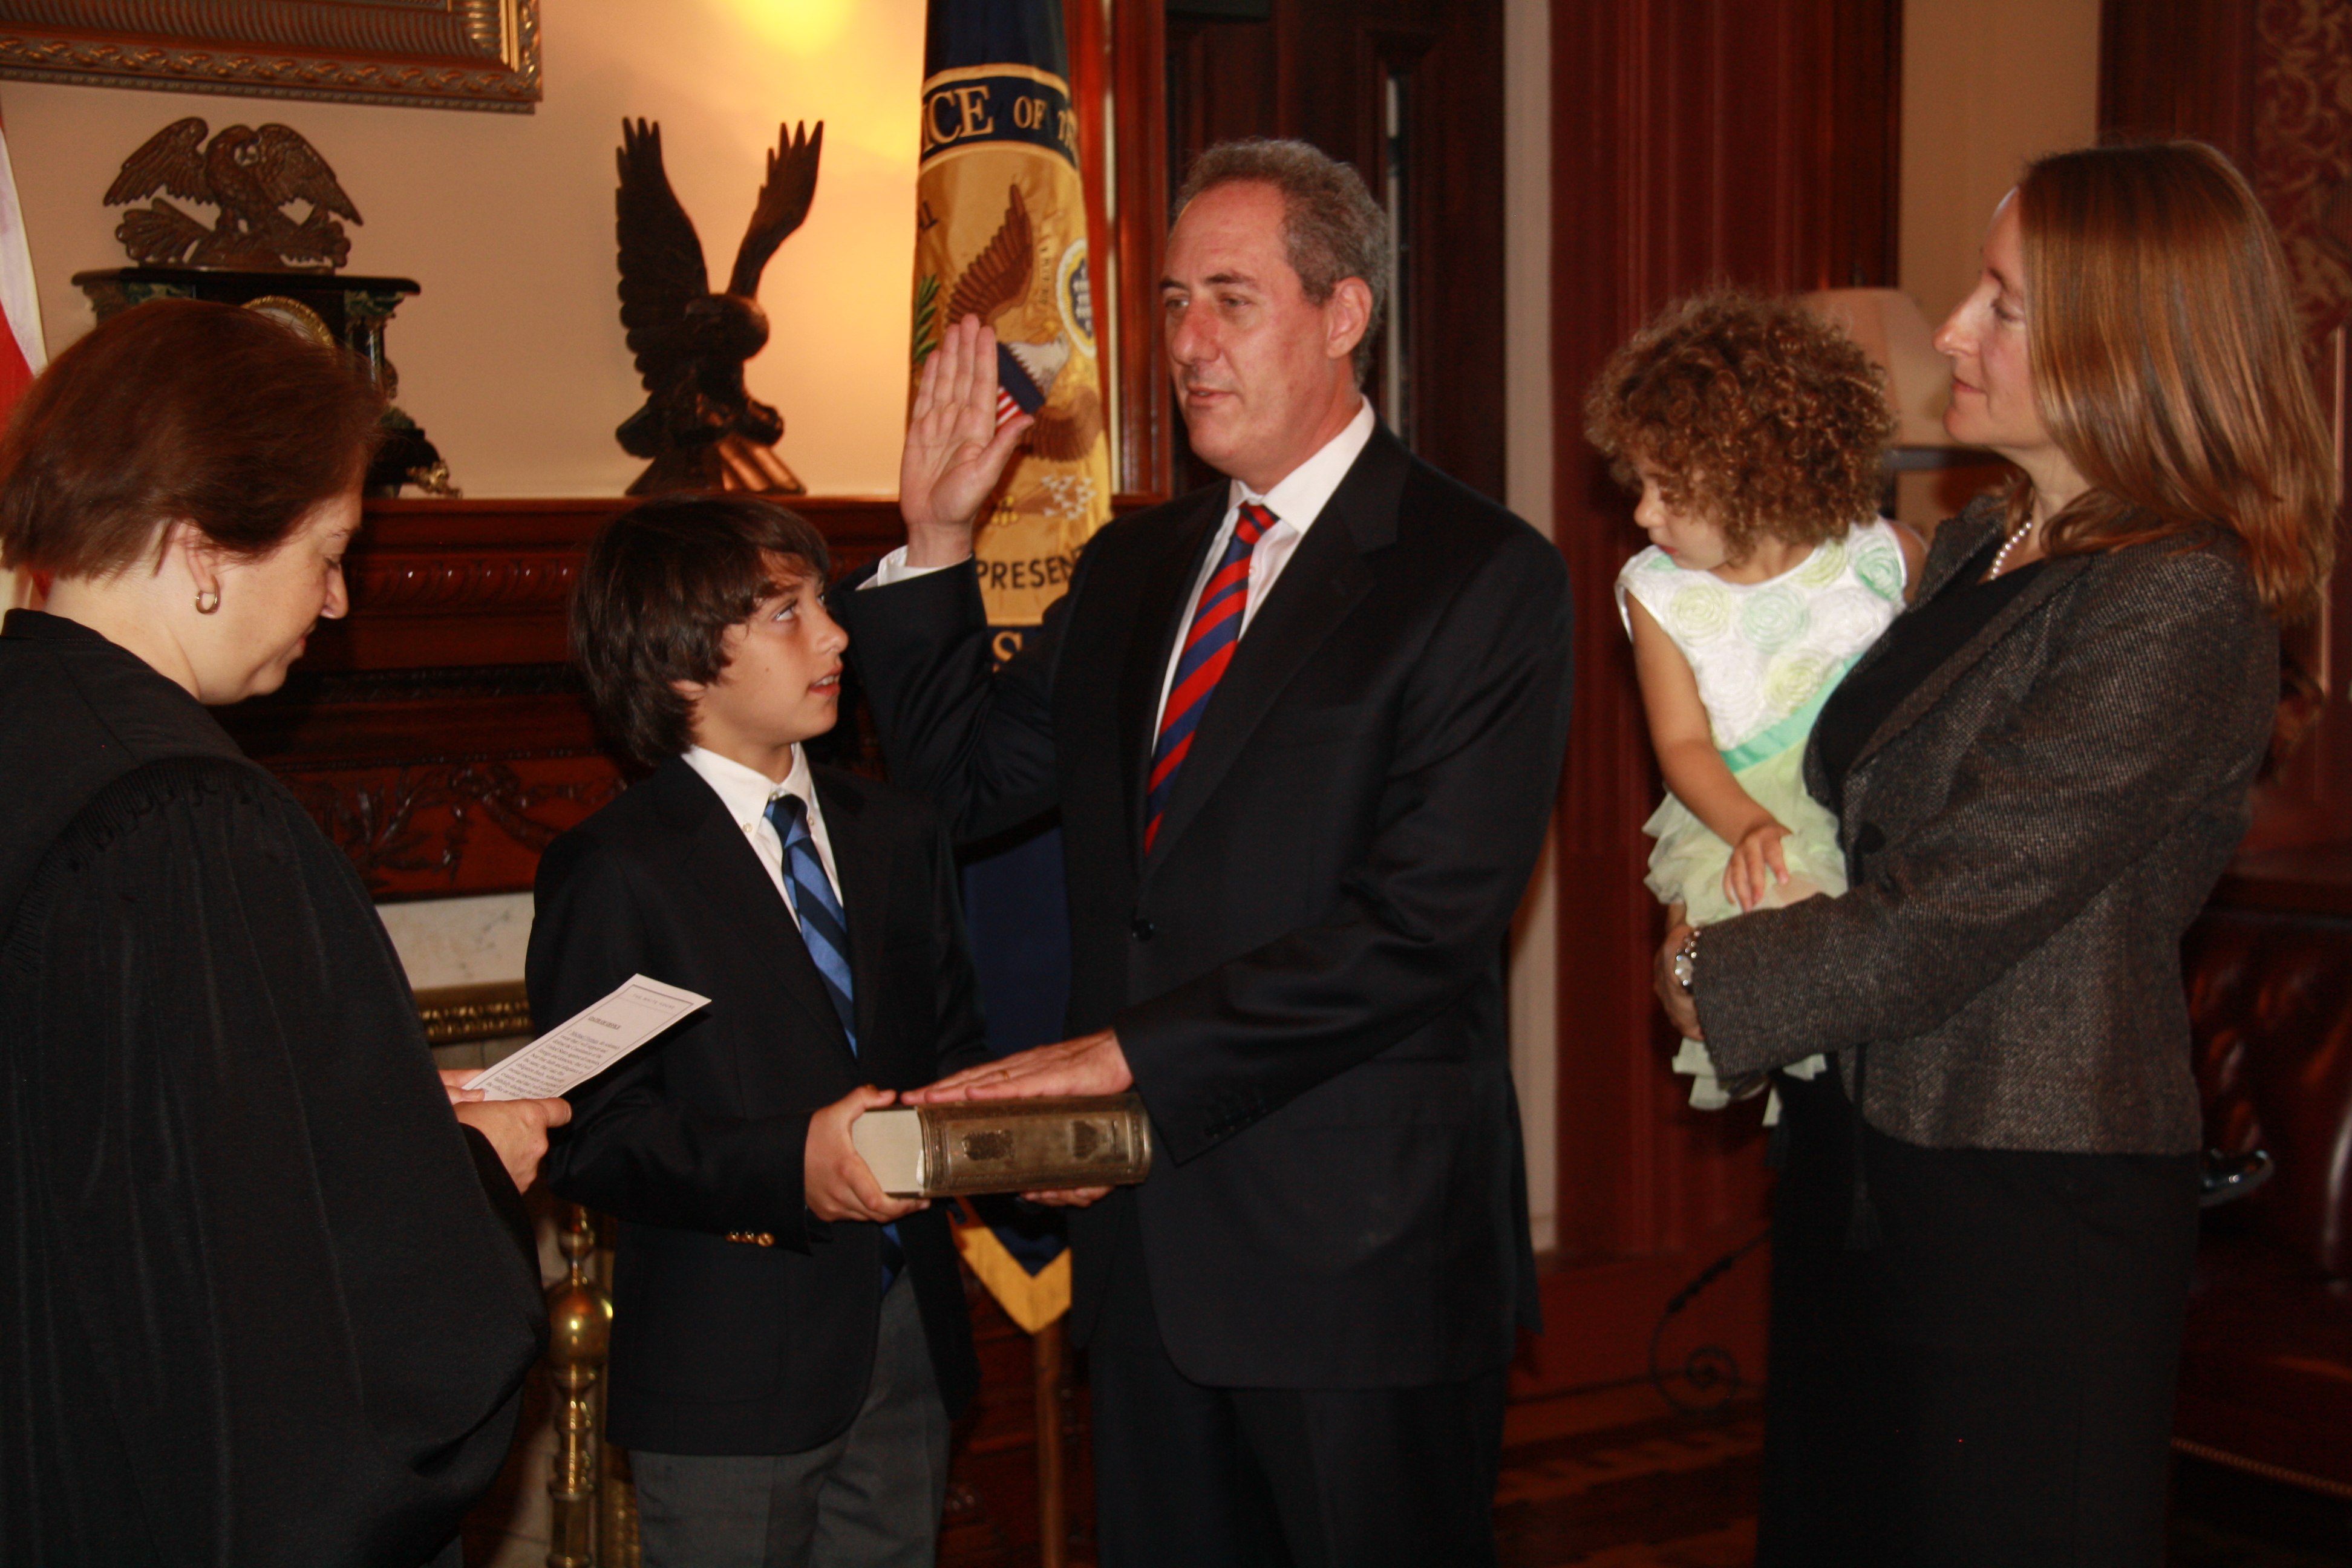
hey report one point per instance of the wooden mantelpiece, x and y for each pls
(442, 584)
(437, 733)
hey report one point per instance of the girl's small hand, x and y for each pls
(1756, 860)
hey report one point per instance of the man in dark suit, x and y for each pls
(788, 1343)
(1303, 731)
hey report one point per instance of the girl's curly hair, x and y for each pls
(1754, 412)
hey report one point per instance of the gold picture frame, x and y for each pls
(428, 54)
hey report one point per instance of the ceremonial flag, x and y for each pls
(21, 350)
(1001, 232)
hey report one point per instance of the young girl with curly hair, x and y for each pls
(1755, 430)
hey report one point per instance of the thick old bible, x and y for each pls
(1005, 1146)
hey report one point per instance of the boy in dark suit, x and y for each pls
(788, 1343)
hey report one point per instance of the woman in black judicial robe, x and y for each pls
(266, 1301)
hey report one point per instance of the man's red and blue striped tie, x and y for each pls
(1208, 648)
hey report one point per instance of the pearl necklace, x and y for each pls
(2000, 558)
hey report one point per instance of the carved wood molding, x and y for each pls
(438, 733)
(472, 827)
(444, 584)
(450, 54)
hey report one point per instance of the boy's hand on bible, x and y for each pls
(1756, 862)
(834, 1181)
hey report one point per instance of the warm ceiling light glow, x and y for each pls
(798, 26)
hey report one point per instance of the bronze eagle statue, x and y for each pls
(699, 429)
(250, 176)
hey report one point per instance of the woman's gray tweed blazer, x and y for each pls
(2028, 835)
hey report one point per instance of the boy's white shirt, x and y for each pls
(746, 792)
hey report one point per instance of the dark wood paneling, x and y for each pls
(2270, 85)
(1863, 141)
(1117, 53)
(1316, 71)
(1694, 142)
(992, 1520)
(2179, 68)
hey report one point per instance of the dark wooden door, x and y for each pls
(1694, 142)
(1411, 92)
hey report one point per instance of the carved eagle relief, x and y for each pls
(699, 427)
(991, 286)
(250, 176)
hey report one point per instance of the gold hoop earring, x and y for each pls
(207, 600)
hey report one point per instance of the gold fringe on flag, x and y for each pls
(1031, 1300)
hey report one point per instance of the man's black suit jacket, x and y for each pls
(723, 1347)
(1305, 973)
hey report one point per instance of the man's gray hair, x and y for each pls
(1331, 227)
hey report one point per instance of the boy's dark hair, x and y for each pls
(1755, 412)
(660, 586)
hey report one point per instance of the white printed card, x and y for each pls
(588, 1042)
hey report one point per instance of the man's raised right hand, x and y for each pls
(956, 452)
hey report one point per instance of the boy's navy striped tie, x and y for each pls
(821, 926)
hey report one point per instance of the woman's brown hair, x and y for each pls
(1757, 413)
(2168, 366)
(179, 409)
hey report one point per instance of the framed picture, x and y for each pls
(431, 54)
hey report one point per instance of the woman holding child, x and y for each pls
(1984, 1228)
(267, 1301)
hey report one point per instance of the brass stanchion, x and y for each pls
(580, 1320)
(616, 1511)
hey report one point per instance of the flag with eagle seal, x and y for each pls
(1000, 234)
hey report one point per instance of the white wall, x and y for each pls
(1987, 85)
(512, 358)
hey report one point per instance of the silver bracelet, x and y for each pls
(1686, 960)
